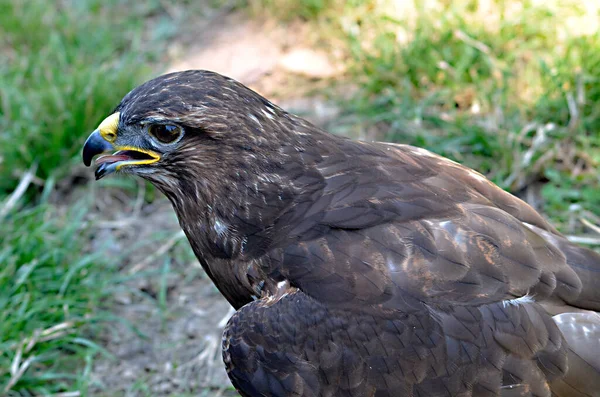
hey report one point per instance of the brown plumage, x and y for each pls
(356, 268)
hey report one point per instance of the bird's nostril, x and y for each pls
(110, 137)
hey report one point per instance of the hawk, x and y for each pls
(357, 268)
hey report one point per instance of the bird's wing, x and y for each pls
(392, 220)
(417, 277)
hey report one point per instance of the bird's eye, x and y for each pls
(165, 133)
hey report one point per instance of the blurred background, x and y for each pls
(99, 291)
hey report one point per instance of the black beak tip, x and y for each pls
(100, 171)
(93, 146)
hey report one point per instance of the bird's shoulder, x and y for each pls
(395, 177)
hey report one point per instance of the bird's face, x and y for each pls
(133, 148)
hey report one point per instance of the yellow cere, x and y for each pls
(108, 127)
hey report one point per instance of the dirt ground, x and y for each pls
(169, 341)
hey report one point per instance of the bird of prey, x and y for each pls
(361, 269)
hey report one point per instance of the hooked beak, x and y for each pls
(101, 141)
(94, 145)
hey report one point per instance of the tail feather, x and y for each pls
(582, 333)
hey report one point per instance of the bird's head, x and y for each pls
(193, 125)
(224, 155)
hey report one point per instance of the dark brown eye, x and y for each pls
(165, 133)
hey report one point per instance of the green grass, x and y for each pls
(509, 88)
(50, 291)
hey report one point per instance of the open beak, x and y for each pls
(101, 142)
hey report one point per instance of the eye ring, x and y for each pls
(165, 133)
